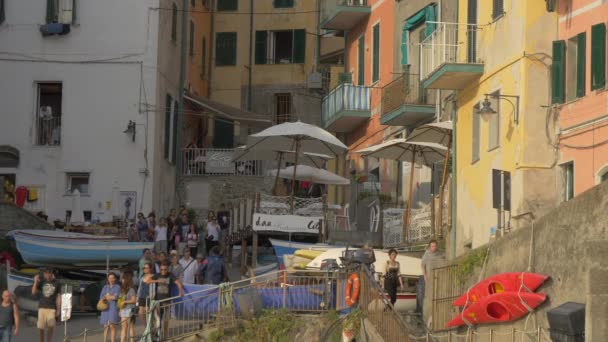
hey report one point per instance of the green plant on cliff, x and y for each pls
(353, 321)
(271, 325)
(466, 265)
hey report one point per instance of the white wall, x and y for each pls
(99, 98)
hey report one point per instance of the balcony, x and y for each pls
(48, 130)
(406, 103)
(346, 107)
(218, 162)
(450, 57)
(343, 15)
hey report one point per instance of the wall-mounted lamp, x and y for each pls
(486, 105)
(131, 130)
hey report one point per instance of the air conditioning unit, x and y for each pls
(66, 11)
(315, 80)
(46, 112)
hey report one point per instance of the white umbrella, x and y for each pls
(299, 137)
(310, 174)
(404, 150)
(440, 133)
(77, 216)
(115, 200)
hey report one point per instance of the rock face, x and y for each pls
(13, 217)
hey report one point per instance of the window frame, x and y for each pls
(277, 99)
(79, 174)
(55, 119)
(218, 57)
(598, 56)
(568, 180)
(376, 52)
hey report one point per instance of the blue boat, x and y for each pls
(47, 247)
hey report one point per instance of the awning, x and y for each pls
(229, 112)
(9, 156)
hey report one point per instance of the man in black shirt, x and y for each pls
(164, 280)
(223, 219)
(49, 303)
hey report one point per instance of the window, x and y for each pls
(168, 121)
(494, 123)
(598, 56)
(568, 174)
(283, 107)
(58, 11)
(174, 132)
(558, 72)
(48, 118)
(227, 5)
(475, 134)
(225, 48)
(78, 180)
(498, 9)
(280, 47)
(191, 38)
(283, 3)
(361, 61)
(575, 67)
(204, 59)
(376, 53)
(174, 23)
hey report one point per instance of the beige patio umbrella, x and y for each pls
(406, 151)
(439, 133)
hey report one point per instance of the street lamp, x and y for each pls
(486, 105)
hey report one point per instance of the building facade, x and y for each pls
(579, 97)
(84, 106)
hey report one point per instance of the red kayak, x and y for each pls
(499, 307)
(503, 282)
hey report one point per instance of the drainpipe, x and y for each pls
(249, 91)
(211, 51)
(180, 106)
(318, 52)
(454, 175)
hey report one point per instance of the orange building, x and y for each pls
(580, 95)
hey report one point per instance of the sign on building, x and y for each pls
(286, 223)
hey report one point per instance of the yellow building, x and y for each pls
(497, 59)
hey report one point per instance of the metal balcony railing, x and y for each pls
(345, 97)
(218, 162)
(48, 130)
(329, 7)
(406, 89)
(449, 43)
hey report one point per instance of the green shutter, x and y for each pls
(225, 48)
(168, 102)
(227, 5)
(283, 3)
(598, 56)
(51, 11)
(299, 46)
(261, 39)
(558, 68)
(175, 128)
(581, 58)
(361, 61)
(376, 52)
(204, 58)
(191, 38)
(2, 17)
(174, 23)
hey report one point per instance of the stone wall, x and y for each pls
(13, 217)
(570, 244)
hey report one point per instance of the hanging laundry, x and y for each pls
(20, 196)
(32, 195)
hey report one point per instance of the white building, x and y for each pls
(67, 100)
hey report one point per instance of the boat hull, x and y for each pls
(503, 282)
(497, 308)
(44, 250)
(282, 247)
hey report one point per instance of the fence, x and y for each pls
(442, 46)
(345, 97)
(218, 162)
(446, 288)
(48, 130)
(220, 306)
(406, 89)
(537, 335)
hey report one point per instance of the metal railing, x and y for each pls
(345, 97)
(449, 43)
(220, 306)
(218, 162)
(48, 130)
(418, 231)
(406, 89)
(329, 7)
